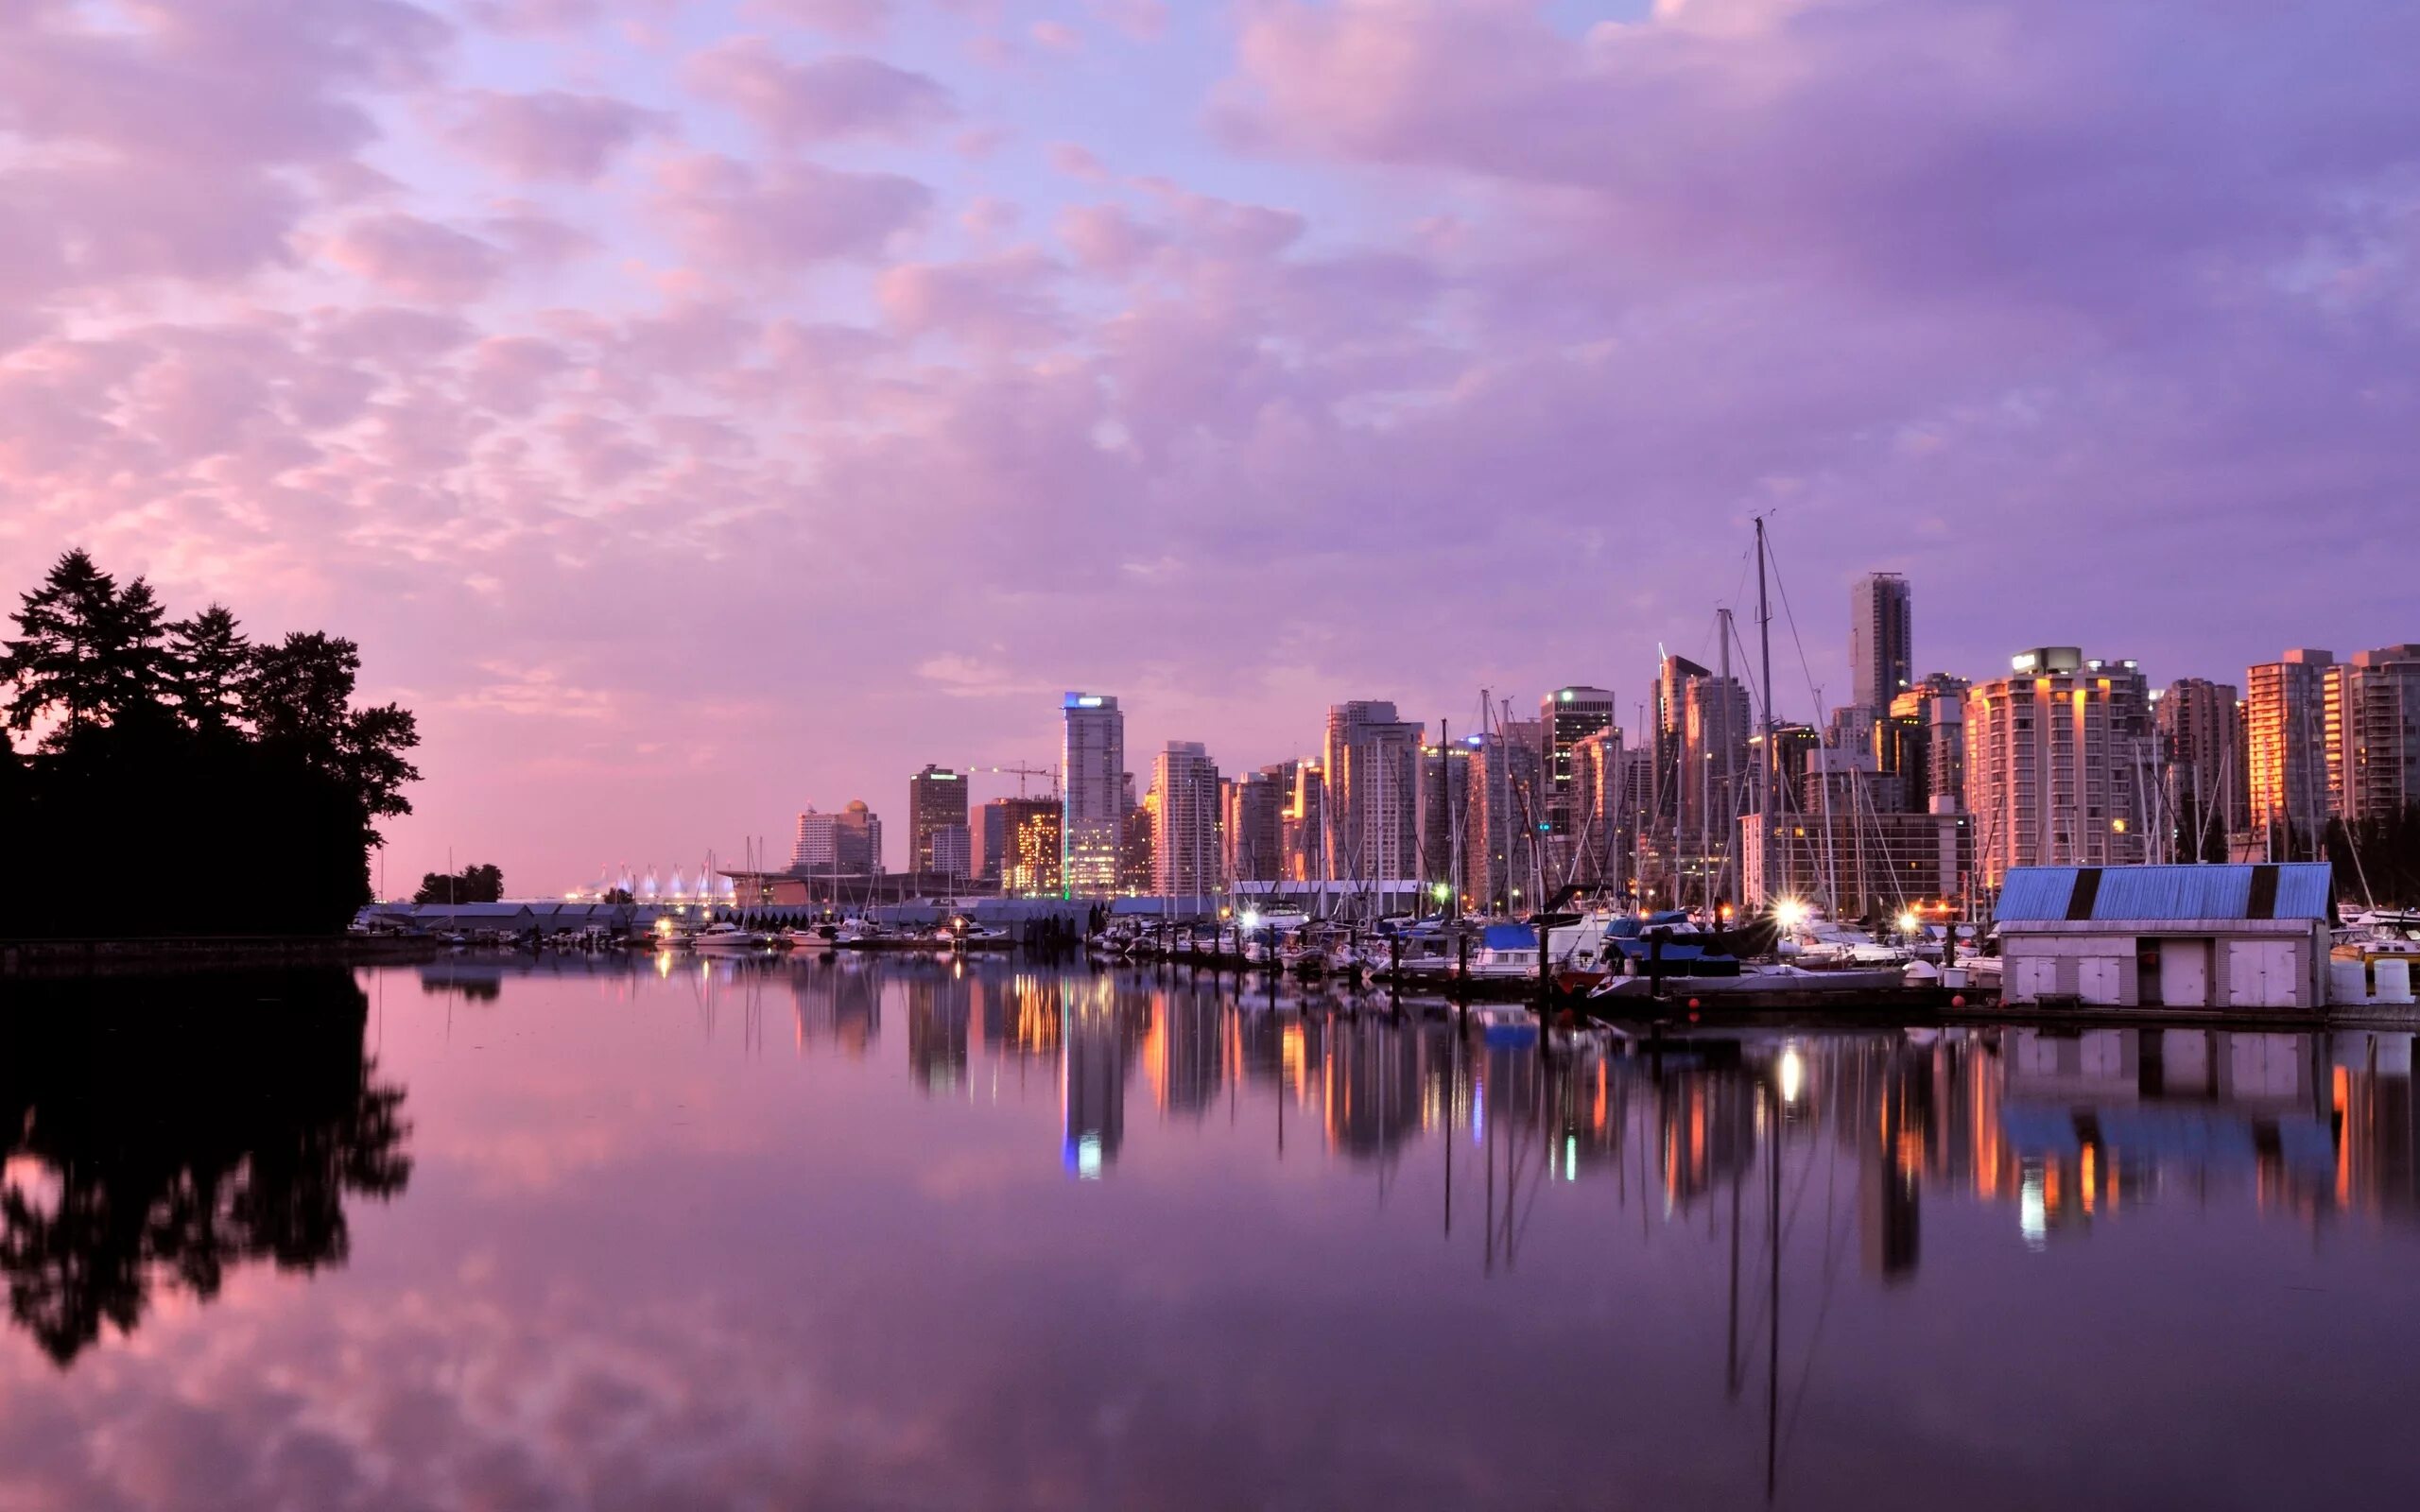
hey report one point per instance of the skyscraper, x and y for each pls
(2286, 748)
(2056, 764)
(1445, 804)
(1093, 807)
(1597, 846)
(1254, 831)
(2371, 719)
(1569, 715)
(1881, 637)
(936, 800)
(1305, 823)
(1185, 822)
(2201, 742)
(1371, 760)
(1715, 782)
(1923, 739)
(1501, 828)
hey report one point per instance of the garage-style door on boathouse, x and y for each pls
(2251, 937)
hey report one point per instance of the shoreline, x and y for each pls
(102, 957)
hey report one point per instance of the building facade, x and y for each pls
(2370, 724)
(1371, 761)
(1093, 804)
(847, 844)
(936, 801)
(1881, 638)
(1872, 866)
(2057, 755)
(2286, 750)
(2200, 726)
(1254, 830)
(1569, 716)
(1596, 852)
(1501, 862)
(1184, 821)
(949, 853)
(1030, 849)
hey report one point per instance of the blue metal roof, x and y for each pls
(2301, 889)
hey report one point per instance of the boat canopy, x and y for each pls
(1509, 938)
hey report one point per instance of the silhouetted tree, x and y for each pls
(472, 885)
(179, 746)
(210, 669)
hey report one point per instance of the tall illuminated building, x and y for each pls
(1029, 849)
(2286, 750)
(1254, 832)
(1184, 821)
(936, 801)
(1371, 766)
(1571, 716)
(2057, 764)
(2371, 719)
(1881, 638)
(1092, 805)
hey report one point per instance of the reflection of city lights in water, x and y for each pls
(1794, 1072)
(1088, 1158)
(2033, 1212)
(1571, 1156)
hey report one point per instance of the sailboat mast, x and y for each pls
(1768, 769)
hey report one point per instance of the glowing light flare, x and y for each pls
(1794, 1073)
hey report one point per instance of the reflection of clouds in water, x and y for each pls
(650, 1263)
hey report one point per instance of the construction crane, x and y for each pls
(1022, 772)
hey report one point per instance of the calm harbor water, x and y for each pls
(925, 1234)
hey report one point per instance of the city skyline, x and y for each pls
(604, 369)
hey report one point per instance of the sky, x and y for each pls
(702, 409)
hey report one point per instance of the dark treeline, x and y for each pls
(2378, 860)
(161, 1135)
(472, 885)
(182, 780)
(2375, 861)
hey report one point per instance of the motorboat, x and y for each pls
(726, 936)
(1778, 977)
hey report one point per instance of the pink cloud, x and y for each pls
(784, 215)
(418, 259)
(1078, 161)
(1057, 36)
(1106, 238)
(999, 303)
(821, 100)
(547, 133)
(858, 19)
(1143, 20)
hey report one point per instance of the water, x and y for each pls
(917, 1234)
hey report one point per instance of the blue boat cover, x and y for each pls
(1509, 938)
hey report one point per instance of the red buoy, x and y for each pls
(1693, 1003)
(1957, 1002)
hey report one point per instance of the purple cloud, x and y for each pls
(822, 100)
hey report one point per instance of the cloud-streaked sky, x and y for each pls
(699, 410)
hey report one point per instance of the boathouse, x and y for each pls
(2200, 937)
